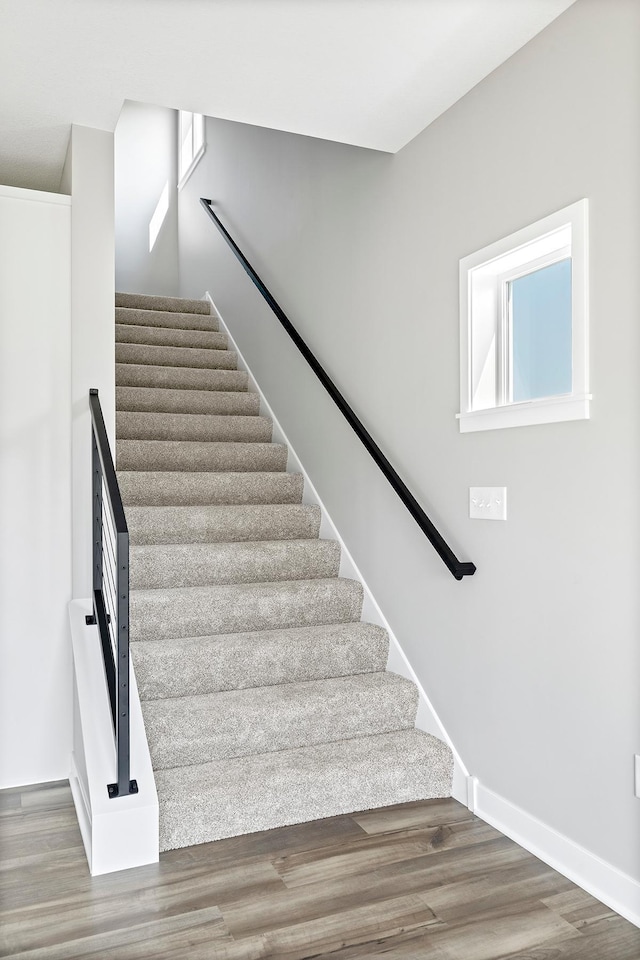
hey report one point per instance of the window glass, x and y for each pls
(186, 141)
(198, 132)
(191, 142)
(540, 333)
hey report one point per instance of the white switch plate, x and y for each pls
(488, 503)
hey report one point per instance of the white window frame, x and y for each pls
(485, 348)
(197, 149)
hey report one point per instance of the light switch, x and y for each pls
(488, 503)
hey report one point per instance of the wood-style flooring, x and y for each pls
(420, 881)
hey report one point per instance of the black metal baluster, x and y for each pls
(96, 492)
(105, 493)
(122, 646)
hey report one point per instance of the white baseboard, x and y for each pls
(83, 808)
(427, 719)
(603, 881)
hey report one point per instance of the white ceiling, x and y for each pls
(367, 72)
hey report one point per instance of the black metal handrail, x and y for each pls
(110, 561)
(458, 568)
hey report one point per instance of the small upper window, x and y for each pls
(523, 326)
(190, 143)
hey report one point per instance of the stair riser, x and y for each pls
(199, 402)
(215, 524)
(239, 723)
(179, 378)
(213, 457)
(199, 665)
(176, 356)
(198, 489)
(168, 319)
(143, 301)
(156, 615)
(183, 426)
(168, 337)
(191, 565)
(231, 797)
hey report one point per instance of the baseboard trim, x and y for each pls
(83, 808)
(616, 889)
(427, 718)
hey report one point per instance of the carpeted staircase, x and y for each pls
(266, 699)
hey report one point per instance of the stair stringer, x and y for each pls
(427, 718)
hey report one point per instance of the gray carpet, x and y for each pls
(266, 699)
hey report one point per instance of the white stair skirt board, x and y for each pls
(427, 719)
(122, 832)
(602, 880)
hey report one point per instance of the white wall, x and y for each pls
(146, 164)
(35, 487)
(533, 664)
(89, 173)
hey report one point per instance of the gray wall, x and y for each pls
(533, 663)
(146, 160)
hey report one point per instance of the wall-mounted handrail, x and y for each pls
(110, 561)
(458, 568)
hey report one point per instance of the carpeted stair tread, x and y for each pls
(158, 400)
(212, 456)
(167, 318)
(179, 378)
(201, 564)
(140, 425)
(216, 523)
(170, 336)
(144, 301)
(226, 798)
(241, 607)
(236, 661)
(191, 357)
(151, 488)
(235, 723)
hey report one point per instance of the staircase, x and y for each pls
(265, 698)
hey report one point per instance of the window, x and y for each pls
(523, 326)
(158, 218)
(190, 144)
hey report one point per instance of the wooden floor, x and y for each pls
(422, 880)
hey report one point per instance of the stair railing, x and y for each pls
(110, 561)
(458, 568)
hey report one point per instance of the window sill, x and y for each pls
(529, 413)
(194, 163)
